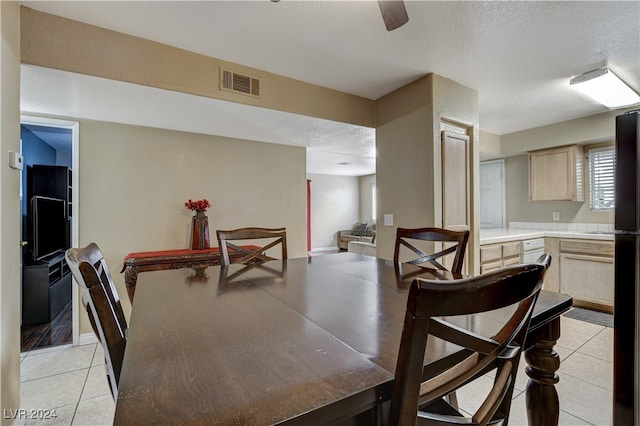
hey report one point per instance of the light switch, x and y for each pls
(388, 220)
(556, 215)
(16, 161)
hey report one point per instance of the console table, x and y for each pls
(171, 259)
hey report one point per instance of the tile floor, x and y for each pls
(71, 380)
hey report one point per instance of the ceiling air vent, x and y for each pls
(238, 83)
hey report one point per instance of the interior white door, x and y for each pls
(492, 194)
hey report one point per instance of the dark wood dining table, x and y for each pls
(301, 341)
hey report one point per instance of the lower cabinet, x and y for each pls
(499, 255)
(587, 273)
(46, 289)
(581, 268)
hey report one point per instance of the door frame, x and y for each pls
(503, 181)
(74, 126)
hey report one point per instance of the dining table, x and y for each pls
(301, 341)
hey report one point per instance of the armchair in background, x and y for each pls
(362, 232)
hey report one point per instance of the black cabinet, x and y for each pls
(46, 279)
(53, 182)
(46, 289)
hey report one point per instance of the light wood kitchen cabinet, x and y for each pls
(587, 272)
(552, 277)
(556, 174)
(499, 255)
(455, 181)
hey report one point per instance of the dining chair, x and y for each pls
(256, 255)
(101, 300)
(408, 238)
(419, 391)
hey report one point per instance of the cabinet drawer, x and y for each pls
(511, 249)
(600, 248)
(490, 266)
(511, 261)
(490, 253)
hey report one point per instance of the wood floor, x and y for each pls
(55, 333)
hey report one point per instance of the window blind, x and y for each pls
(601, 177)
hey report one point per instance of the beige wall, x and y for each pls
(520, 209)
(366, 197)
(334, 207)
(9, 209)
(404, 166)
(130, 200)
(592, 129)
(63, 44)
(408, 169)
(228, 172)
(489, 146)
(589, 131)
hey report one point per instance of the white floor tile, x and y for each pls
(518, 415)
(575, 333)
(601, 346)
(471, 396)
(95, 412)
(53, 391)
(61, 416)
(43, 364)
(563, 353)
(96, 384)
(98, 357)
(589, 369)
(585, 401)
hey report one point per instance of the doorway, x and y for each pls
(492, 202)
(48, 196)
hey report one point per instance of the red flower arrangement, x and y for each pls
(198, 206)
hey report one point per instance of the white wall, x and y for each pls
(335, 205)
(134, 181)
(520, 209)
(366, 198)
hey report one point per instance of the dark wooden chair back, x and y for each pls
(101, 300)
(459, 238)
(429, 301)
(277, 235)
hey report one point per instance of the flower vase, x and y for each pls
(200, 231)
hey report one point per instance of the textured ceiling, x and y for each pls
(518, 55)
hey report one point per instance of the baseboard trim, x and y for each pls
(321, 249)
(87, 339)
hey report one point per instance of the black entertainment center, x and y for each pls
(46, 278)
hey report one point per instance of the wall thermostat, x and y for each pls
(16, 161)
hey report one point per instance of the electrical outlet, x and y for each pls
(556, 215)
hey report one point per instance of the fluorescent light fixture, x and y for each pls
(605, 87)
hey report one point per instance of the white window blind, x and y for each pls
(601, 177)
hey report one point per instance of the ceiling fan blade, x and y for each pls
(394, 13)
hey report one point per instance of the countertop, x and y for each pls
(503, 235)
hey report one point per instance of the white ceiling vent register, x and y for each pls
(239, 83)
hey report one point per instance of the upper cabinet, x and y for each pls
(556, 174)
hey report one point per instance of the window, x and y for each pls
(601, 178)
